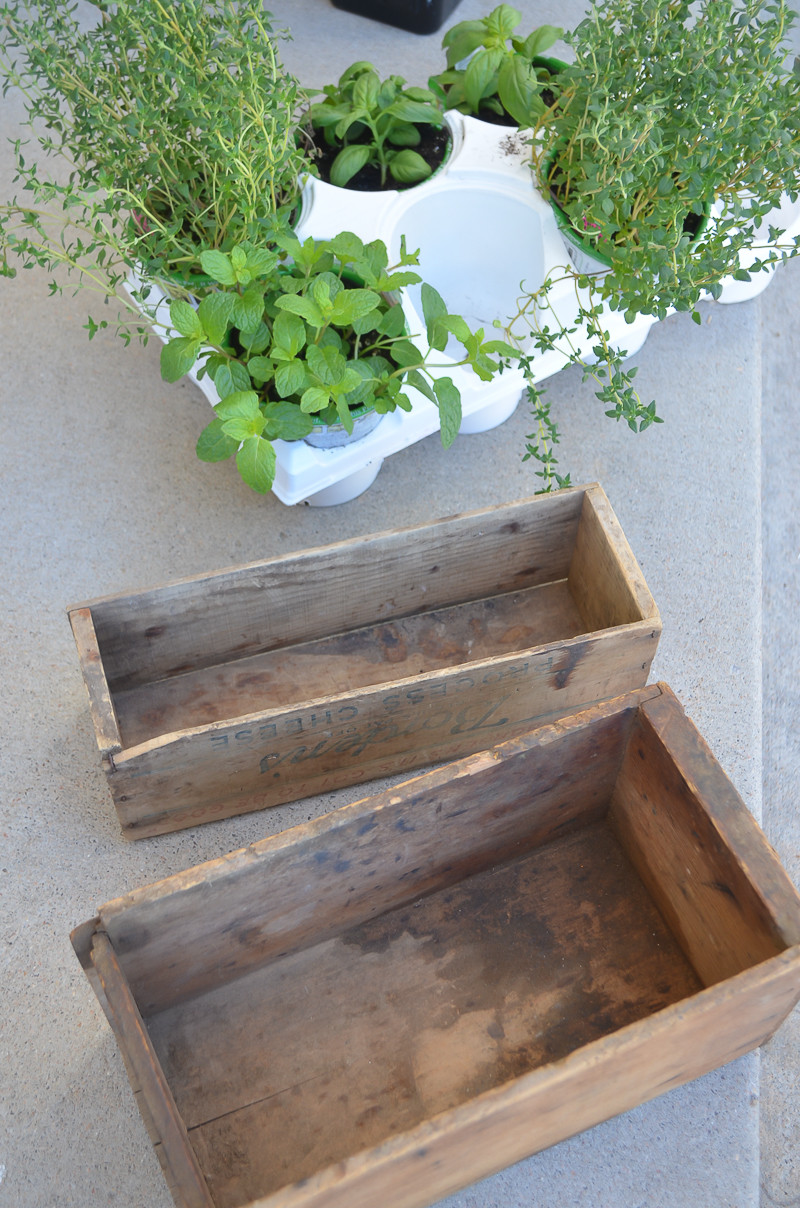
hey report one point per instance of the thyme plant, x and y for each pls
(674, 137)
(174, 123)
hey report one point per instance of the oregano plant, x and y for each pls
(674, 139)
(172, 124)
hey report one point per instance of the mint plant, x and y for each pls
(311, 331)
(375, 122)
(675, 137)
(490, 70)
(174, 124)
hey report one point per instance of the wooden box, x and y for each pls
(288, 678)
(386, 1004)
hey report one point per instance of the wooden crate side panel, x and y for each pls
(596, 1082)
(220, 920)
(101, 706)
(386, 653)
(160, 1115)
(605, 579)
(698, 850)
(233, 614)
(266, 760)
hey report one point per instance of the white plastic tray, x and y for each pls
(484, 235)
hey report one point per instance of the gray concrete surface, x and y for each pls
(101, 492)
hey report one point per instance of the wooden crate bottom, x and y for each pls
(336, 1048)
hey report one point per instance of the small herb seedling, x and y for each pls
(375, 122)
(491, 70)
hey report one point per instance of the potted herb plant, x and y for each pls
(308, 343)
(177, 125)
(493, 73)
(675, 138)
(370, 133)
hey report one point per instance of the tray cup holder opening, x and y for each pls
(477, 246)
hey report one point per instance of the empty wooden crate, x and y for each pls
(386, 1004)
(287, 678)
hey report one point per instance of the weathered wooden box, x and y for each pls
(292, 677)
(386, 1004)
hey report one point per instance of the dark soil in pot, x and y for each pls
(433, 147)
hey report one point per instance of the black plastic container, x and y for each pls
(418, 16)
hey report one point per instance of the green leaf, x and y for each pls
(501, 349)
(392, 322)
(248, 309)
(261, 369)
(518, 89)
(416, 112)
(305, 307)
(255, 339)
(241, 428)
(408, 166)
(449, 401)
(458, 327)
(218, 266)
(366, 323)
(256, 462)
(433, 307)
(365, 91)
(214, 314)
(239, 376)
(503, 20)
(347, 246)
(351, 304)
(261, 262)
(288, 335)
(214, 444)
(414, 378)
(230, 377)
(285, 421)
(242, 404)
(290, 378)
(323, 115)
(314, 399)
(462, 39)
(223, 380)
(542, 39)
(404, 353)
(327, 364)
(184, 319)
(178, 357)
(349, 161)
(404, 134)
(479, 76)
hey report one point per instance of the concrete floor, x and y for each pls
(101, 492)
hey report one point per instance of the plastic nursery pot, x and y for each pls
(333, 436)
(583, 252)
(417, 16)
